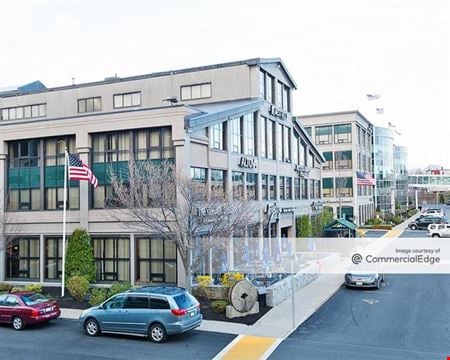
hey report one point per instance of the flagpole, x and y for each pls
(64, 224)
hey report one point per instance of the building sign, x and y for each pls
(273, 110)
(287, 210)
(247, 162)
(301, 170)
(316, 205)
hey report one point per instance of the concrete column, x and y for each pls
(3, 194)
(83, 145)
(41, 258)
(132, 259)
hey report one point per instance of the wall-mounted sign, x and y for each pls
(301, 170)
(316, 205)
(273, 110)
(247, 162)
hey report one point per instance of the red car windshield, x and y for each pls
(33, 299)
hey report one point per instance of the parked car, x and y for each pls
(152, 311)
(357, 279)
(436, 212)
(448, 203)
(23, 308)
(422, 223)
(439, 230)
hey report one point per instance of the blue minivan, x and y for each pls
(155, 312)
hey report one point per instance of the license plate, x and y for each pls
(359, 283)
(192, 313)
(48, 309)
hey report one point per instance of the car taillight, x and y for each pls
(179, 312)
(34, 312)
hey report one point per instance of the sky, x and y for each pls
(337, 51)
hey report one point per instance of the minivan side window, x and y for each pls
(159, 304)
(115, 303)
(137, 302)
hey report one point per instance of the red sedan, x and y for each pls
(23, 308)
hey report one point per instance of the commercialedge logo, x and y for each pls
(409, 259)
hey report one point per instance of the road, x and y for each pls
(62, 339)
(408, 318)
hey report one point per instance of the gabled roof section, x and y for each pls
(308, 139)
(340, 223)
(23, 89)
(210, 114)
(116, 79)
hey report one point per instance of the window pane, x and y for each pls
(89, 105)
(127, 100)
(42, 110)
(206, 90)
(35, 111)
(27, 112)
(186, 93)
(196, 91)
(118, 102)
(97, 104)
(19, 113)
(136, 99)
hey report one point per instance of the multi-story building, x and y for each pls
(383, 159)
(345, 140)
(401, 176)
(229, 125)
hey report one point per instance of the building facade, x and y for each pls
(401, 177)
(229, 125)
(384, 170)
(345, 140)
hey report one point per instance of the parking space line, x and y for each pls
(248, 348)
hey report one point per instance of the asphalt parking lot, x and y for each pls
(63, 340)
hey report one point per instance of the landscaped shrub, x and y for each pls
(230, 278)
(98, 296)
(33, 287)
(4, 288)
(79, 256)
(119, 287)
(219, 306)
(78, 287)
(303, 226)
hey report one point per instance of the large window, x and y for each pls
(112, 258)
(281, 188)
(22, 259)
(263, 136)
(288, 188)
(279, 94)
(53, 258)
(286, 143)
(24, 176)
(218, 136)
(280, 143)
(198, 174)
(297, 193)
(271, 146)
(156, 260)
(54, 174)
(286, 99)
(324, 135)
(127, 100)
(90, 104)
(24, 112)
(344, 186)
(153, 144)
(304, 189)
(238, 184)
(236, 135)
(251, 186)
(197, 91)
(295, 141)
(328, 187)
(343, 133)
(262, 84)
(328, 156)
(269, 88)
(272, 187)
(343, 159)
(264, 187)
(249, 134)
(218, 180)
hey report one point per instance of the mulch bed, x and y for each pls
(66, 302)
(209, 314)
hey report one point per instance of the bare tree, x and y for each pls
(7, 231)
(158, 200)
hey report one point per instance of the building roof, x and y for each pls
(348, 112)
(213, 113)
(115, 79)
(341, 223)
(21, 89)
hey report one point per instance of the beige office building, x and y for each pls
(345, 140)
(229, 125)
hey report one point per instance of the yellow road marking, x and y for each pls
(249, 348)
(392, 233)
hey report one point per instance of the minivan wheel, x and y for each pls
(157, 333)
(413, 227)
(92, 328)
(17, 323)
(435, 235)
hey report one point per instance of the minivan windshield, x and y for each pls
(34, 299)
(185, 301)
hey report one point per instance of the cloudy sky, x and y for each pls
(337, 51)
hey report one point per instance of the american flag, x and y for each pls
(372, 97)
(364, 179)
(78, 170)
